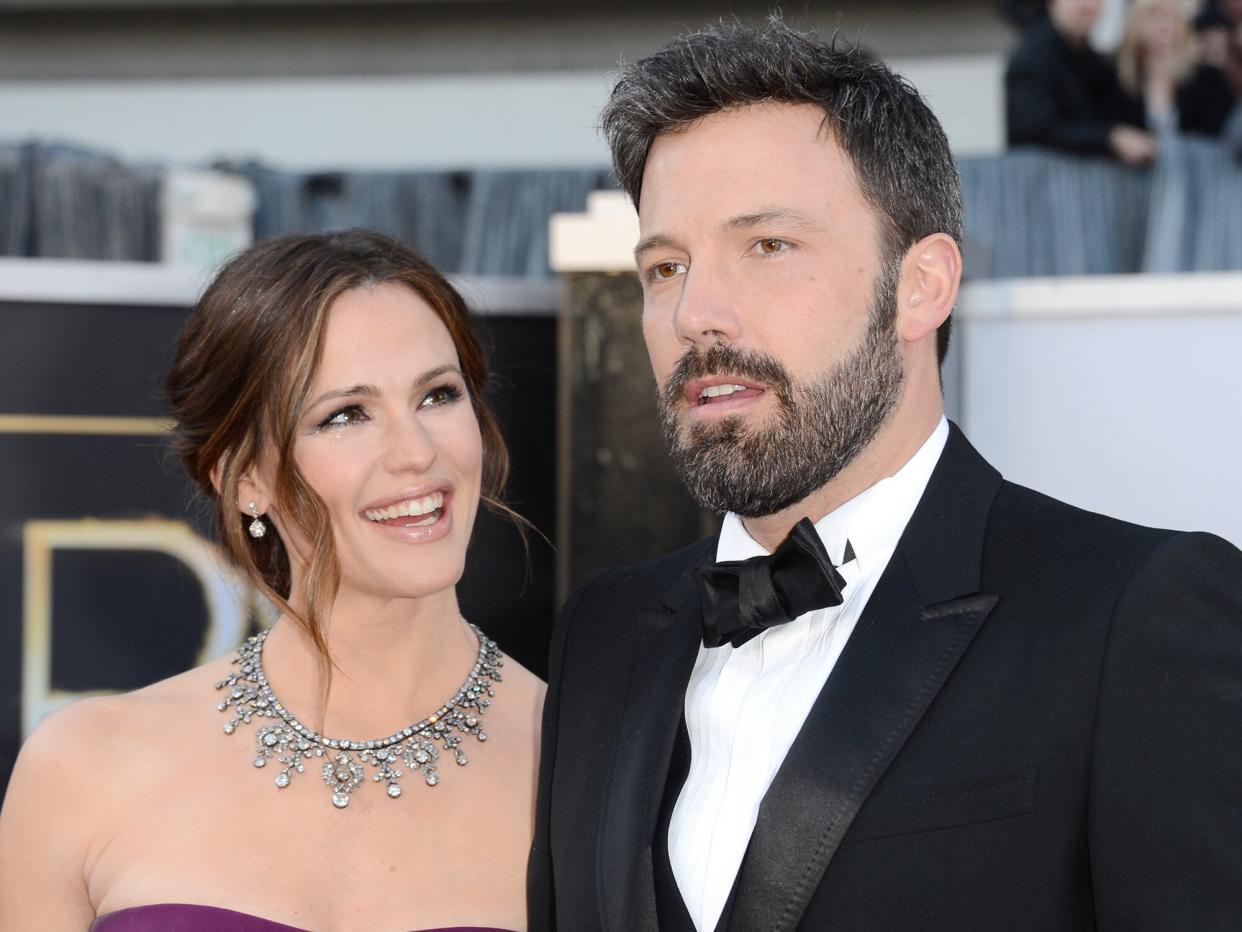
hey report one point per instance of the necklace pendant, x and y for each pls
(342, 776)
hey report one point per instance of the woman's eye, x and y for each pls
(664, 271)
(771, 246)
(441, 395)
(351, 414)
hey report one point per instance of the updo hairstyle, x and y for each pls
(244, 366)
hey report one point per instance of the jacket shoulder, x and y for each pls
(639, 585)
(1042, 529)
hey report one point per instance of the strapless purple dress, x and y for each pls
(182, 917)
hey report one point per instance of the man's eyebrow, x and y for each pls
(370, 391)
(762, 217)
(655, 241)
(782, 215)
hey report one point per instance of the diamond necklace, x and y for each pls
(290, 743)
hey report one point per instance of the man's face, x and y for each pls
(1074, 18)
(768, 313)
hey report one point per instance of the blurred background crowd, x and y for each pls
(1177, 70)
(461, 126)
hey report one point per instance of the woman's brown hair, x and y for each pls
(241, 372)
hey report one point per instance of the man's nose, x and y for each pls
(707, 308)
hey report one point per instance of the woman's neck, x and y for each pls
(1159, 86)
(394, 662)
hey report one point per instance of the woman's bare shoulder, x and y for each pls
(77, 777)
(522, 679)
(99, 729)
(520, 694)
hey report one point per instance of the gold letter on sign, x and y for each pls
(228, 600)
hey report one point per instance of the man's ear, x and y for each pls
(930, 276)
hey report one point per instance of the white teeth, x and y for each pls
(715, 391)
(407, 509)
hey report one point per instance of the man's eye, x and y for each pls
(441, 395)
(351, 414)
(664, 271)
(771, 246)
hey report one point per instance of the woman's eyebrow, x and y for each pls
(354, 391)
(370, 391)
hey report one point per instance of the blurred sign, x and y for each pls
(108, 580)
(206, 216)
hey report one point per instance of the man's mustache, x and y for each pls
(724, 359)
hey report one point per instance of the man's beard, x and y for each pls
(819, 428)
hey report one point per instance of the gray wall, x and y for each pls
(404, 85)
(177, 39)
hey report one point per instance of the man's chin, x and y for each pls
(728, 428)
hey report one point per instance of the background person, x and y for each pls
(1062, 94)
(1232, 132)
(1167, 89)
(1212, 30)
(327, 393)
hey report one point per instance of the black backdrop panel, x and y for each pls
(119, 617)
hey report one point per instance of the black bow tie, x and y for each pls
(742, 598)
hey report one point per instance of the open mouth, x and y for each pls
(722, 391)
(714, 394)
(412, 512)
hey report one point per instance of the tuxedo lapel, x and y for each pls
(666, 643)
(896, 661)
(921, 617)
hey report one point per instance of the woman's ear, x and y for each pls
(930, 277)
(251, 489)
(252, 497)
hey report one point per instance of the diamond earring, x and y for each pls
(257, 528)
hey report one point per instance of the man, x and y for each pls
(1062, 94)
(945, 702)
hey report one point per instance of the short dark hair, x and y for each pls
(897, 147)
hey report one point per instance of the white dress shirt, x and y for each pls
(745, 705)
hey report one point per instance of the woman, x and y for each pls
(328, 397)
(1166, 89)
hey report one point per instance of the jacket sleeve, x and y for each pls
(1165, 817)
(540, 881)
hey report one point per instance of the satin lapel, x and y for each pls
(923, 614)
(666, 644)
(896, 661)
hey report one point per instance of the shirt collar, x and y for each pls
(871, 521)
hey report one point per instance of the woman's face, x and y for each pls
(389, 440)
(1161, 27)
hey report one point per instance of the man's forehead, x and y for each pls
(770, 146)
(712, 185)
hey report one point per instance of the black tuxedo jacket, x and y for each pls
(1036, 725)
